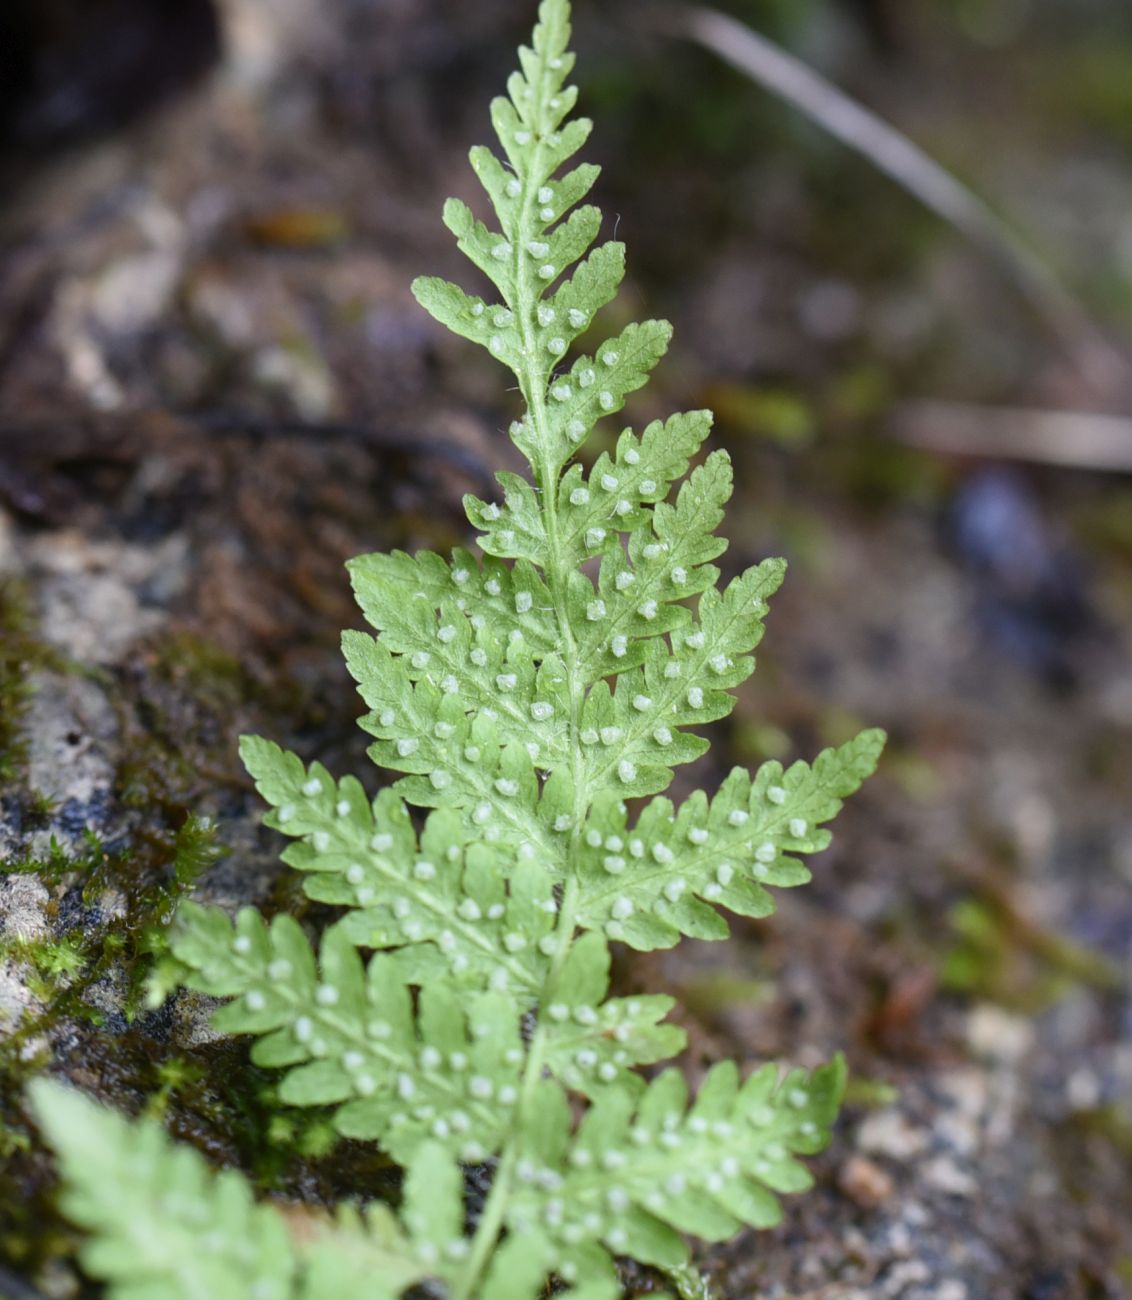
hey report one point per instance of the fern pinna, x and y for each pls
(525, 695)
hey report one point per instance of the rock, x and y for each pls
(865, 1182)
(889, 1133)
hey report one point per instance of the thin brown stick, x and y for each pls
(1075, 439)
(911, 168)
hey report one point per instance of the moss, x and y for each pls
(998, 954)
(180, 703)
(21, 653)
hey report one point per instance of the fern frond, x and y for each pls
(648, 884)
(443, 1070)
(641, 1172)
(172, 1229)
(522, 693)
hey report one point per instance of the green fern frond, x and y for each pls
(640, 1173)
(522, 693)
(166, 1227)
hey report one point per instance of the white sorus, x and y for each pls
(501, 251)
(545, 194)
(623, 507)
(382, 842)
(679, 576)
(609, 357)
(545, 315)
(698, 835)
(460, 576)
(327, 995)
(648, 486)
(619, 647)
(503, 317)
(506, 681)
(491, 586)
(255, 1000)
(492, 511)
(595, 610)
(776, 794)
(312, 787)
(507, 787)
(514, 189)
(387, 717)
(766, 852)
(547, 272)
(241, 944)
(654, 550)
(609, 482)
(342, 808)
(478, 656)
(556, 345)
(662, 736)
(561, 392)
(627, 771)
(446, 633)
(610, 736)
(541, 711)
(586, 376)
(420, 658)
(695, 698)
(594, 537)
(321, 841)
(738, 817)
(424, 871)
(440, 779)
(576, 318)
(632, 456)
(606, 400)
(406, 746)
(523, 602)
(355, 873)
(648, 610)
(624, 579)
(537, 248)
(642, 703)
(580, 497)
(798, 827)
